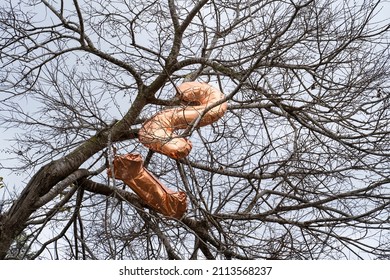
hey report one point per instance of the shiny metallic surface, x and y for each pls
(129, 168)
(158, 132)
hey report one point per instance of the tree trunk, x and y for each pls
(14, 221)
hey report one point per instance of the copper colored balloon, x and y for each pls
(129, 168)
(157, 133)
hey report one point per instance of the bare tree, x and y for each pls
(298, 168)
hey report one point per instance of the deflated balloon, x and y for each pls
(158, 132)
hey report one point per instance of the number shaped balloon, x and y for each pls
(158, 134)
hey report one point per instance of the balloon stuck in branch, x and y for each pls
(129, 168)
(157, 133)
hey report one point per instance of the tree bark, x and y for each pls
(14, 220)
